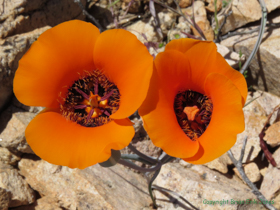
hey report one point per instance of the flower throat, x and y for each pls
(193, 111)
(91, 100)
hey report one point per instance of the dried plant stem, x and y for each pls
(156, 19)
(136, 158)
(261, 32)
(266, 152)
(219, 37)
(167, 191)
(139, 156)
(238, 165)
(89, 15)
(151, 189)
(111, 5)
(143, 156)
(192, 23)
(230, 34)
(165, 158)
(138, 168)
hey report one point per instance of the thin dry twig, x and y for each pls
(161, 189)
(266, 152)
(156, 19)
(192, 22)
(219, 37)
(238, 165)
(113, 14)
(128, 6)
(89, 15)
(268, 27)
(261, 32)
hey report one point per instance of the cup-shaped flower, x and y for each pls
(193, 109)
(89, 83)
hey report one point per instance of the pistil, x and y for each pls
(191, 112)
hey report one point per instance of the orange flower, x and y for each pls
(89, 83)
(194, 105)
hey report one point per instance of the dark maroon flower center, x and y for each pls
(193, 111)
(91, 100)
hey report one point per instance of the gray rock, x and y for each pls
(271, 182)
(272, 5)
(220, 164)
(201, 20)
(92, 188)
(268, 102)
(21, 16)
(272, 135)
(11, 50)
(211, 5)
(44, 203)
(263, 73)
(243, 12)
(167, 19)
(232, 58)
(251, 170)
(256, 114)
(5, 198)
(140, 27)
(7, 157)
(185, 3)
(21, 193)
(146, 31)
(198, 185)
(134, 7)
(13, 127)
(255, 118)
(176, 31)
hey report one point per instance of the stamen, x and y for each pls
(96, 88)
(107, 96)
(106, 112)
(82, 93)
(90, 114)
(80, 106)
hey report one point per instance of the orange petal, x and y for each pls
(211, 61)
(235, 76)
(63, 142)
(171, 74)
(204, 59)
(128, 64)
(54, 62)
(226, 122)
(182, 45)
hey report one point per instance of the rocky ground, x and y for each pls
(27, 182)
